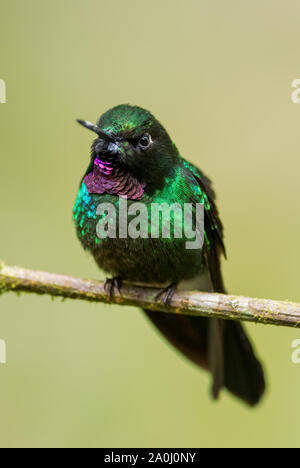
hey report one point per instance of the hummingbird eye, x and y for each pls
(145, 142)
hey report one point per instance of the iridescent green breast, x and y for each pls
(139, 259)
(85, 217)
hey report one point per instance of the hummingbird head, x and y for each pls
(130, 137)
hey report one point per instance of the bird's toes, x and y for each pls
(166, 294)
(111, 285)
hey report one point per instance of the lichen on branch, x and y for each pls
(196, 303)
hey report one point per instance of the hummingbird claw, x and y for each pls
(166, 294)
(112, 284)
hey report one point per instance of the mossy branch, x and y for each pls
(201, 304)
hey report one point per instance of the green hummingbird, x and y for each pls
(133, 158)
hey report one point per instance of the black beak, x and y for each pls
(102, 135)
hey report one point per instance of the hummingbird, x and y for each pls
(134, 158)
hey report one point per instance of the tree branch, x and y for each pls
(196, 303)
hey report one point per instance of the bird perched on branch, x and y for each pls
(133, 158)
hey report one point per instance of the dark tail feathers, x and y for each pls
(242, 374)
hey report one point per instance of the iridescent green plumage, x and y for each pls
(139, 158)
(152, 264)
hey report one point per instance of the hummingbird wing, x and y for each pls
(213, 243)
(222, 347)
(232, 359)
(212, 249)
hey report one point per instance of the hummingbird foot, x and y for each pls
(111, 285)
(166, 294)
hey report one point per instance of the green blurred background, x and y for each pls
(218, 75)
